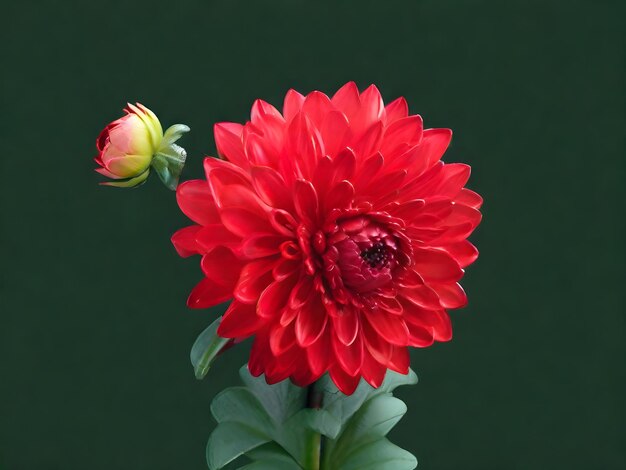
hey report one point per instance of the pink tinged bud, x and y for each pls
(129, 146)
(132, 136)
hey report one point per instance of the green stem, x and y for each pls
(314, 444)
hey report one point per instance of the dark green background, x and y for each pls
(94, 332)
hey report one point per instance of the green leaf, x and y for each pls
(270, 456)
(270, 451)
(378, 455)
(173, 133)
(377, 417)
(354, 426)
(320, 421)
(271, 464)
(240, 405)
(206, 348)
(372, 422)
(231, 440)
(281, 400)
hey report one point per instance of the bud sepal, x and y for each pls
(170, 158)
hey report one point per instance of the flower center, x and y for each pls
(377, 256)
(360, 256)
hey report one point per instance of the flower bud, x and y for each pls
(133, 144)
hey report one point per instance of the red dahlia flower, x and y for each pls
(337, 230)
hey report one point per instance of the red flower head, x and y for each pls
(338, 231)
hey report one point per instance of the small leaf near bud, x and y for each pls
(169, 163)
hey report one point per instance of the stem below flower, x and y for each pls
(313, 449)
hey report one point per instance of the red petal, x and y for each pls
(258, 246)
(196, 201)
(184, 241)
(451, 295)
(436, 321)
(373, 372)
(222, 266)
(469, 198)
(293, 104)
(463, 252)
(310, 322)
(402, 132)
(436, 265)
(261, 110)
(242, 222)
(260, 355)
(371, 110)
(460, 214)
(211, 236)
(346, 325)
(408, 210)
(377, 346)
(319, 353)
(316, 106)
(231, 189)
(208, 293)
(238, 197)
(389, 305)
(395, 110)
(380, 187)
(335, 132)
(323, 174)
(344, 165)
(400, 360)
(435, 143)
(420, 336)
(271, 187)
(304, 140)
(446, 182)
(456, 176)
(349, 357)
(281, 367)
(301, 293)
(443, 329)
(288, 315)
(274, 298)
(224, 173)
(370, 169)
(253, 280)
(339, 197)
(370, 140)
(281, 338)
(390, 327)
(228, 139)
(306, 200)
(344, 382)
(452, 235)
(302, 375)
(239, 321)
(420, 295)
(285, 268)
(256, 147)
(347, 100)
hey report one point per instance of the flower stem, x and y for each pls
(314, 444)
